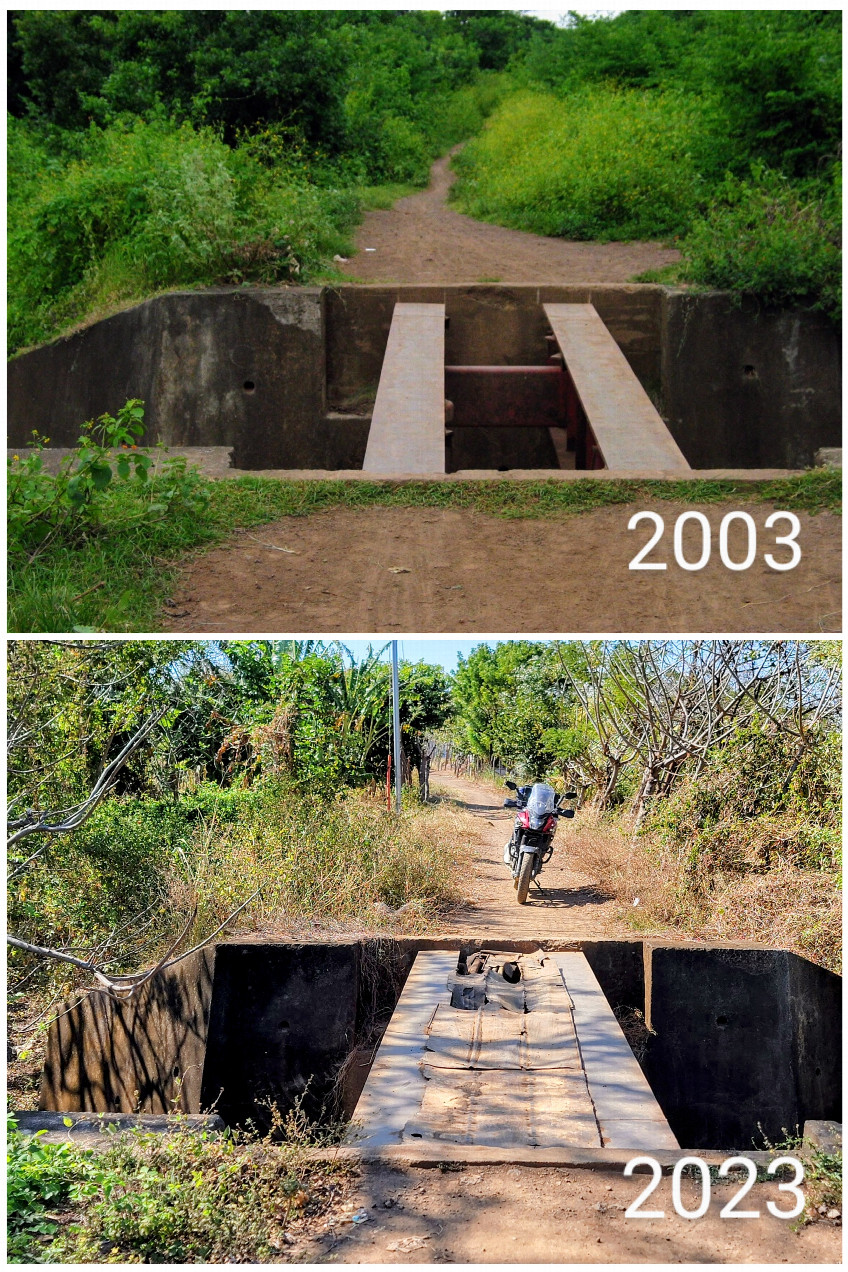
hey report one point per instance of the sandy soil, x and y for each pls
(431, 570)
(570, 904)
(421, 240)
(514, 1214)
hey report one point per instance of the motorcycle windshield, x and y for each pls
(542, 800)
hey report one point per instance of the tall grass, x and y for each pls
(607, 163)
(599, 164)
(136, 871)
(137, 208)
(652, 879)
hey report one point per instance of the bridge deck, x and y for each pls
(628, 430)
(407, 433)
(477, 1060)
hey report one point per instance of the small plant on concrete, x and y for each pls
(70, 504)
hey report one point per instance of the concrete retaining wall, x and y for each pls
(106, 1055)
(746, 1041)
(286, 375)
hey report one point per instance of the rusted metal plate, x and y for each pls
(407, 433)
(628, 431)
(522, 1107)
(506, 397)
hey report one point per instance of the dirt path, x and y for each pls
(527, 1214)
(495, 1214)
(452, 570)
(571, 906)
(422, 240)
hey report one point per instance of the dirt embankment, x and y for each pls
(422, 240)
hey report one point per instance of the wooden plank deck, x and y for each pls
(625, 1106)
(629, 431)
(407, 434)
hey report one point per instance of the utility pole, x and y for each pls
(396, 722)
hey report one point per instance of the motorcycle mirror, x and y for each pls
(570, 795)
(510, 786)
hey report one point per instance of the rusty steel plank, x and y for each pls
(626, 428)
(407, 433)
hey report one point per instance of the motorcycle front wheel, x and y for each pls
(524, 874)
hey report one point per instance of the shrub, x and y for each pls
(68, 506)
(39, 1177)
(150, 205)
(599, 164)
(765, 237)
(181, 1198)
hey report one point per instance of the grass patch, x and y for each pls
(187, 1198)
(381, 198)
(117, 580)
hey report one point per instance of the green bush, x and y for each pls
(599, 164)
(39, 1178)
(768, 238)
(148, 206)
(181, 1198)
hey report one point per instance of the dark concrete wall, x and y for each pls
(743, 1038)
(283, 1018)
(105, 1055)
(735, 1031)
(189, 356)
(747, 387)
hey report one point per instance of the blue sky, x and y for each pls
(434, 650)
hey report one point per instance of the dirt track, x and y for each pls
(451, 570)
(494, 1214)
(527, 1214)
(570, 905)
(421, 240)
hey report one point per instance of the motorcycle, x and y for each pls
(532, 841)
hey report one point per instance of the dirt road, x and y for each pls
(453, 570)
(570, 904)
(494, 1214)
(526, 1214)
(422, 240)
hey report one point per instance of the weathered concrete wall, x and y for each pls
(256, 369)
(747, 387)
(743, 1037)
(105, 1055)
(215, 367)
(739, 1035)
(283, 1017)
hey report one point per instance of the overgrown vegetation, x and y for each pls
(150, 150)
(187, 1198)
(262, 778)
(709, 775)
(718, 128)
(137, 525)
(153, 150)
